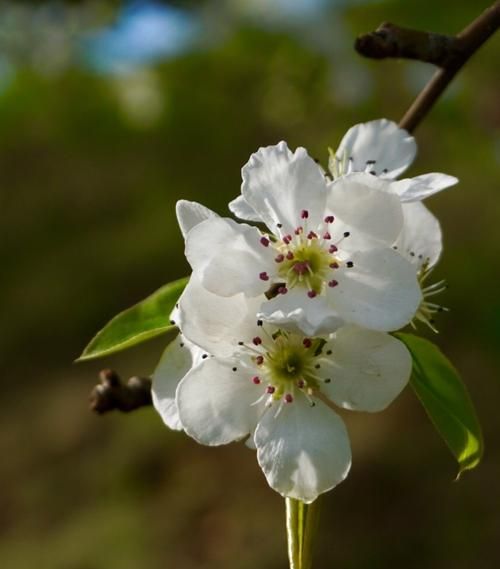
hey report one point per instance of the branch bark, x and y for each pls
(112, 394)
(450, 53)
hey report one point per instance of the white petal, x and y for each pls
(421, 187)
(217, 323)
(215, 402)
(304, 451)
(368, 369)
(240, 208)
(189, 214)
(228, 257)
(421, 239)
(279, 184)
(178, 358)
(379, 292)
(392, 149)
(362, 205)
(296, 312)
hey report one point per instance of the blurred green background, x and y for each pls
(109, 113)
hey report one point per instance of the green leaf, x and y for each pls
(302, 522)
(141, 322)
(445, 399)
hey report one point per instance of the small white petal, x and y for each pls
(279, 184)
(240, 208)
(368, 369)
(177, 359)
(294, 311)
(215, 402)
(217, 323)
(304, 451)
(379, 292)
(363, 206)
(228, 257)
(421, 239)
(421, 187)
(392, 149)
(189, 214)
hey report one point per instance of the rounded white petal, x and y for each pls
(296, 312)
(279, 184)
(240, 208)
(379, 292)
(421, 187)
(189, 214)
(216, 403)
(421, 239)
(303, 451)
(228, 257)
(368, 369)
(177, 359)
(362, 205)
(378, 146)
(216, 323)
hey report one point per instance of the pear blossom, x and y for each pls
(326, 257)
(421, 243)
(276, 387)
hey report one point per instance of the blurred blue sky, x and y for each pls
(144, 32)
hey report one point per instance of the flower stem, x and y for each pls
(301, 526)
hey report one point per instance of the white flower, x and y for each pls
(278, 386)
(422, 244)
(327, 258)
(382, 148)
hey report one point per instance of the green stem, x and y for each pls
(301, 525)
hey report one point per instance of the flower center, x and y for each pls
(307, 258)
(287, 362)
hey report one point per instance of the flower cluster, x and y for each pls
(285, 320)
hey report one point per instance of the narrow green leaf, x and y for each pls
(445, 399)
(144, 320)
(301, 526)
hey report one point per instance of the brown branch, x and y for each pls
(450, 53)
(110, 393)
(389, 40)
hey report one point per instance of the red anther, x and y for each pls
(327, 235)
(280, 258)
(289, 255)
(264, 241)
(263, 276)
(287, 239)
(333, 249)
(282, 290)
(257, 341)
(312, 294)
(301, 267)
(259, 360)
(307, 342)
(312, 235)
(256, 379)
(334, 265)
(288, 398)
(271, 389)
(299, 230)
(329, 219)
(301, 383)
(333, 283)
(304, 214)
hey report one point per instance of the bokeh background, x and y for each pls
(109, 113)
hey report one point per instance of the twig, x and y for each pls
(449, 53)
(110, 393)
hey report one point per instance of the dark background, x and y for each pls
(111, 112)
